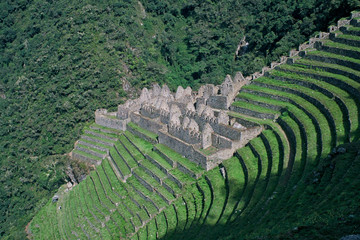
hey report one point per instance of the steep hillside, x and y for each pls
(297, 180)
(61, 60)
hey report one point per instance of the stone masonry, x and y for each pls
(194, 124)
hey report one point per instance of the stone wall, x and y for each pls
(106, 121)
(85, 159)
(220, 142)
(183, 148)
(186, 135)
(219, 102)
(147, 123)
(150, 112)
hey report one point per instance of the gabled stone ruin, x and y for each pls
(195, 124)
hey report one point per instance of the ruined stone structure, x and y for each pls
(195, 124)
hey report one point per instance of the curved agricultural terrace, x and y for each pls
(300, 169)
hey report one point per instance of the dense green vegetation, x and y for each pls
(61, 60)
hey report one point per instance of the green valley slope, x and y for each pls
(297, 180)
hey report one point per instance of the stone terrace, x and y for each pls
(194, 124)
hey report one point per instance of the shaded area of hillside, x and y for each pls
(61, 60)
(326, 207)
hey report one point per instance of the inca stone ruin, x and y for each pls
(194, 124)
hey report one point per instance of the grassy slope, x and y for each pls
(61, 60)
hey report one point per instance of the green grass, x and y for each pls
(219, 192)
(172, 185)
(196, 196)
(299, 114)
(87, 155)
(179, 158)
(159, 202)
(98, 138)
(255, 213)
(142, 130)
(142, 144)
(132, 150)
(115, 182)
(329, 43)
(182, 177)
(181, 212)
(160, 160)
(150, 180)
(254, 107)
(142, 233)
(327, 102)
(171, 218)
(70, 210)
(208, 151)
(259, 148)
(147, 164)
(352, 28)
(206, 190)
(91, 148)
(79, 212)
(314, 64)
(95, 200)
(120, 149)
(106, 184)
(332, 55)
(348, 37)
(345, 96)
(86, 202)
(236, 184)
(313, 110)
(161, 225)
(95, 143)
(119, 162)
(115, 131)
(111, 135)
(152, 230)
(251, 173)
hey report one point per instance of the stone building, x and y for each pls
(195, 124)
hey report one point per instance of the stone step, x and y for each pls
(350, 30)
(101, 134)
(117, 169)
(342, 90)
(340, 49)
(296, 105)
(142, 133)
(243, 98)
(95, 145)
(152, 185)
(93, 138)
(331, 68)
(103, 129)
(350, 40)
(260, 112)
(332, 58)
(91, 151)
(313, 99)
(176, 160)
(84, 156)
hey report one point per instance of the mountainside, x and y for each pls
(298, 179)
(61, 60)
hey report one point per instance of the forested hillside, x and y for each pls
(61, 60)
